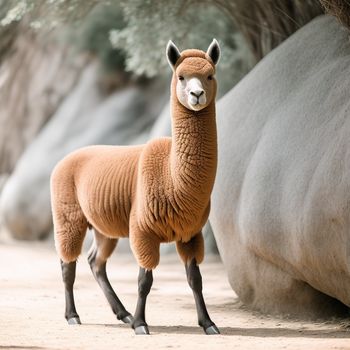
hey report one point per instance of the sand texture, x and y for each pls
(32, 307)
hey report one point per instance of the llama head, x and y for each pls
(194, 72)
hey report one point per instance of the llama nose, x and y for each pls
(197, 93)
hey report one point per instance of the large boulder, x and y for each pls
(281, 202)
(85, 117)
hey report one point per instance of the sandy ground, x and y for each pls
(32, 304)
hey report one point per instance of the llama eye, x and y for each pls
(210, 77)
(181, 77)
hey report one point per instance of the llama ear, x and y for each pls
(172, 53)
(214, 51)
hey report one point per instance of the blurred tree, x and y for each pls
(92, 35)
(150, 24)
(266, 23)
(338, 8)
(45, 13)
(262, 23)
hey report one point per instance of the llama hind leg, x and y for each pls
(70, 227)
(68, 275)
(100, 251)
(192, 253)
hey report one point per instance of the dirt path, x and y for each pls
(31, 309)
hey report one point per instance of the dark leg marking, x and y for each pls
(98, 269)
(194, 279)
(68, 276)
(145, 282)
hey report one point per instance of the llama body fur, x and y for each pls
(153, 193)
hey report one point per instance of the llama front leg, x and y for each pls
(146, 250)
(68, 276)
(194, 279)
(145, 282)
(192, 252)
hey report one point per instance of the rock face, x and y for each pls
(35, 75)
(85, 117)
(281, 202)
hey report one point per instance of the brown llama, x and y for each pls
(154, 193)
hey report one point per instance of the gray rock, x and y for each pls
(280, 207)
(3, 179)
(162, 126)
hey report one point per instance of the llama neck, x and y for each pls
(193, 158)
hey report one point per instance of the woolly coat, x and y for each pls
(153, 193)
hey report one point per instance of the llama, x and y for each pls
(154, 193)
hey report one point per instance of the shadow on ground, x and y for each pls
(243, 332)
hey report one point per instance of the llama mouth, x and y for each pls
(196, 103)
(197, 106)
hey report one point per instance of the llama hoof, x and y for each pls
(141, 330)
(212, 330)
(74, 320)
(128, 319)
